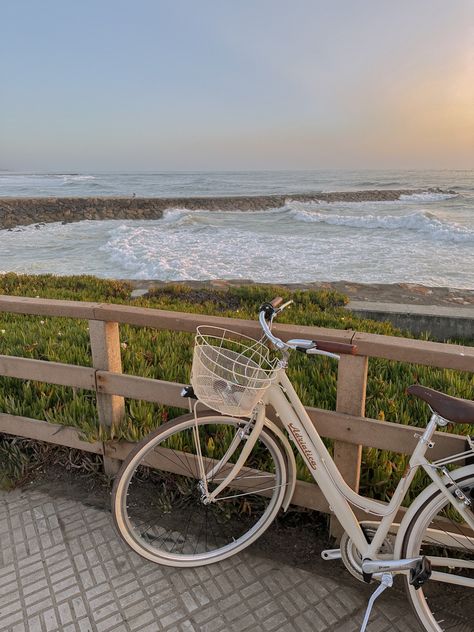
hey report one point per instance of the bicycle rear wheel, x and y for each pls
(157, 498)
(446, 600)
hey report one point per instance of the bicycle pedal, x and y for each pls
(331, 554)
(421, 573)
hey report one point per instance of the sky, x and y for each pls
(236, 85)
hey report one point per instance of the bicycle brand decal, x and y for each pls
(295, 431)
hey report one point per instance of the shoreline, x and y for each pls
(24, 211)
(396, 293)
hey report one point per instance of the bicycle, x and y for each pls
(203, 487)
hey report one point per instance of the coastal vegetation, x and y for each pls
(167, 355)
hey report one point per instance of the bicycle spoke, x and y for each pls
(179, 459)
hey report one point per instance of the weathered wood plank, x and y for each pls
(45, 371)
(135, 387)
(352, 429)
(47, 307)
(351, 388)
(44, 431)
(105, 345)
(306, 494)
(416, 351)
(383, 435)
(372, 345)
(181, 321)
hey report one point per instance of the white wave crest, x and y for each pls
(426, 196)
(174, 215)
(419, 221)
(196, 219)
(75, 178)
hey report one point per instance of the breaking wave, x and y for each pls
(427, 196)
(70, 178)
(419, 221)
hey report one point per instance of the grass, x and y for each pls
(167, 355)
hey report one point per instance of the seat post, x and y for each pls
(425, 440)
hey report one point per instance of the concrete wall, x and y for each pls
(441, 322)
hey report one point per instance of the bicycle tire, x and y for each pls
(180, 530)
(440, 605)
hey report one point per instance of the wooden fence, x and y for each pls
(347, 426)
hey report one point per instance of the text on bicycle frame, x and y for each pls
(295, 431)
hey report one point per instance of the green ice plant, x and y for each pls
(13, 463)
(167, 355)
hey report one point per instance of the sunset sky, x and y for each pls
(253, 84)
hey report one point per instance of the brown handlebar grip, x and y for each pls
(276, 301)
(335, 347)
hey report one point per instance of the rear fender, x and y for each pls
(419, 501)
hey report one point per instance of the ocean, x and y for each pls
(426, 237)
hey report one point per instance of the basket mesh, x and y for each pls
(230, 371)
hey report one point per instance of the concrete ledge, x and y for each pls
(441, 322)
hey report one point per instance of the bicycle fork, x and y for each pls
(241, 435)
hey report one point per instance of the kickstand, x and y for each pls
(387, 582)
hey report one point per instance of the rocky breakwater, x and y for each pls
(24, 211)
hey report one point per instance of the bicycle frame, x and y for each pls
(282, 396)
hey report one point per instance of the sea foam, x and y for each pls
(426, 196)
(419, 221)
(419, 238)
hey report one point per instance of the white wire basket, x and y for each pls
(230, 371)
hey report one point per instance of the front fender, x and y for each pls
(291, 463)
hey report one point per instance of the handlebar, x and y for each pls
(277, 301)
(279, 344)
(267, 313)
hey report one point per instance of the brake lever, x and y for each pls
(316, 351)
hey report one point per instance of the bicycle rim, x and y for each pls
(158, 494)
(437, 531)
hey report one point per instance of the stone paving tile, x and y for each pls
(64, 569)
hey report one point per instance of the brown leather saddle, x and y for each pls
(453, 409)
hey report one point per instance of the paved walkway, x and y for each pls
(63, 568)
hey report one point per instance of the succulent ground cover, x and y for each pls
(167, 355)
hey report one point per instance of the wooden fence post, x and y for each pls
(351, 392)
(105, 346)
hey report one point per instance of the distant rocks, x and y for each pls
(38, 211)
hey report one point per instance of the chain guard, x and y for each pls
(352, 558)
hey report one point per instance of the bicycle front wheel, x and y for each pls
(158, 498)
(445, 601)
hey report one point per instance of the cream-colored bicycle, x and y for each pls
(202, 488)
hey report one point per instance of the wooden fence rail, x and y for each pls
(348, 425)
